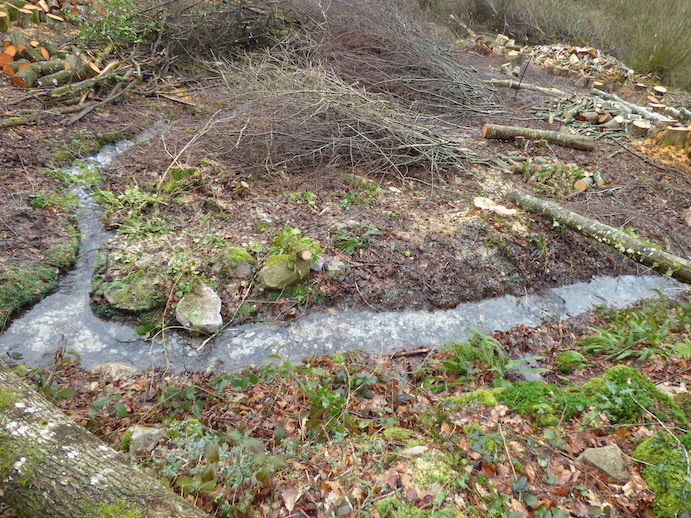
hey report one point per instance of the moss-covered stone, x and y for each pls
(281, 271)
(133, 294)
(665, 470)
(528, 396)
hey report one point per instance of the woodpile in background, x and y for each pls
(25, 13)
(40, 63)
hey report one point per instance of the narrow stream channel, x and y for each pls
(64, 319)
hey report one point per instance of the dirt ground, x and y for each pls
(426, 245)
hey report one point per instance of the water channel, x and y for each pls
(64, 318)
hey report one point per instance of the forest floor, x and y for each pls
(352, 435)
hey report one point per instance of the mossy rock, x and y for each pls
(528, 396)
(234, 262)
(665, 470)
(485, 397)
(281, 271)
(133, 294)
(624, 394)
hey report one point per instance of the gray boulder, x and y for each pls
(200, 310)
(607, 459)
(133, 294)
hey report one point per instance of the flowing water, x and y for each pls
(64, 319)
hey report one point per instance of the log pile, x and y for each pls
(549, 174)
(25, 13)
(35, 63)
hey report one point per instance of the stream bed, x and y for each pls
(64, 318)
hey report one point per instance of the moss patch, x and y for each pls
(487, 398)
(664, 471)
(7, 397)
(20, 287)
(119, 510)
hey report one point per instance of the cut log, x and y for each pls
(305, 255)
(495, 131)
(659, 91)
(583, 184)
(597, 178)
(666, 263)
(24, 78)
(646, 114)
(53, 468)
(509, 83)
(682, 114)
(4, 21)
(9, 69)
(72, 62)
(66, 76)
(36, 13)
(6, 58)
(11, 11)
(25, 18)
(639, 128)
(30, 53)
(48, 67)
(54, 21)
(675, 136)
(614, 123)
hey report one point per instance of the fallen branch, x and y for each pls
(495, 131)
(666, 263)
(31, 118)
(643, 112)
(510, 83)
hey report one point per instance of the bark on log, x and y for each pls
(53, 468)
(675, 136)
(4, 21)
(66, 76)
(516, 85)
(646, 114)
(10, 69)
(24, 78)
(25, 18)
(639, 128)
(48, 67)
(665, 263)
(495, 131)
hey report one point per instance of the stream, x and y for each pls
(64, 318)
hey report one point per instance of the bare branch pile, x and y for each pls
(289, 116)
(380, 45)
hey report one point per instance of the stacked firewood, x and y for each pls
(41, 64)
(53, 12)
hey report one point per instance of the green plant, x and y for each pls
(136, 208)
(351, 239)
(120, 22)
(229, 469)
(43, 199)
(364, 194)
(303, 198)
(290, 241)
(641, 332)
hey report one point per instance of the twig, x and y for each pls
(116, 94)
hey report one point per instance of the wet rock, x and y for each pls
(200, 310)
(282, 271)
(607, 459)
(115, 370)
(133, 294)
(335, 269)
(143, 439)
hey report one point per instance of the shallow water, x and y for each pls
(65, 320)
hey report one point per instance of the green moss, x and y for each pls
(278, 259)
(182, 180)
(528, 398)
(20, 287)
(119, 510)
(487, 398)
(7, 397)
(235, 255)
(126, 441)
(394, 432)
(664, 471)
(684, 401)
(623, 393)
(394, 507)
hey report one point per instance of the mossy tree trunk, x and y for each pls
(53, 468)
(645, 253)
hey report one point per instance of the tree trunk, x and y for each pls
(675, 136)
(663, 262)
(495, 131)
(53, 468)
(517, 85)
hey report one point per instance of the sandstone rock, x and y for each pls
(115, 370)
(335, 269)
(282, 271)
(143, 439)
(200, 310)
(607, 459)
